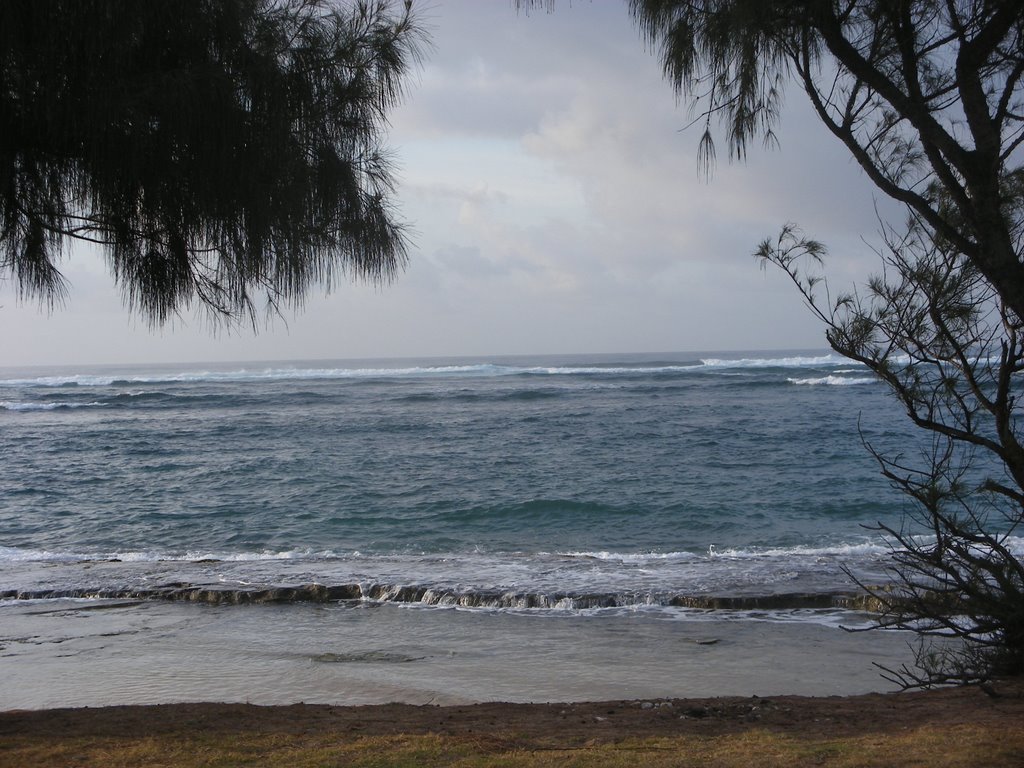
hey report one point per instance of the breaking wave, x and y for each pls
(835, 381)
(482, 369)
(7, 405)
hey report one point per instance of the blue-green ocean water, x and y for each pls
(635, 479)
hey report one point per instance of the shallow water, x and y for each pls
(89, 653)
(517, 528)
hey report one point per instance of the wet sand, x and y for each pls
(92, 654)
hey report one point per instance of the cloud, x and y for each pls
(555, 205)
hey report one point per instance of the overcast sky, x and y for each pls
(556, 207)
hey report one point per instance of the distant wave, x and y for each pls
(868, 549)
(461, 395)
(640, 558)
(466, 370)
(835, 381)
(268, 374)
(12, 406)
(610, 370)
(284, 374)
(862, 549)
(15, 554)
(798, 361)
(840, 549)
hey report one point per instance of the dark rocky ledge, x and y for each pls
(320, 593)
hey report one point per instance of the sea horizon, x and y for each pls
(736, 353)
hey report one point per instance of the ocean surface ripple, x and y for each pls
(572, 483)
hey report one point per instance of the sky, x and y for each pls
(555, 205)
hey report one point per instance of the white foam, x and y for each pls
(84, 380)
(472, 369)
(284, 374)
(863, 549)
(835, 381)
(777, 362)
(836, 550)
(1015, 544)
(632, 557)
(243, 374)
(836, 618)
(872, 548)
(842, 367)
(598, 370)
(15, 554)
(8, 405)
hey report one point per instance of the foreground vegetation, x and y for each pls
(935, 746)
(927, 98)
(941, 728)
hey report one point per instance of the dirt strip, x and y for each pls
(564, 724)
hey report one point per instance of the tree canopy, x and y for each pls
(927, 97)
(925, 94)
(224, 151)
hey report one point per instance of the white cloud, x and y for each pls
(555, 206)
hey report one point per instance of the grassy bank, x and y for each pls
(940, 729)
(930, 746)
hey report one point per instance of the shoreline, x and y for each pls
(276, 654)
(352, 594)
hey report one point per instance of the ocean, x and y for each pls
(657, 490)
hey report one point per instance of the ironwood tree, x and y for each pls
(926, 95)
(226, 152)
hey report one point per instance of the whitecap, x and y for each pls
(631, 557)
(8, 405)
(835, 381)
(798, 361)
(862, 549)
(15, 554)
(603, 370)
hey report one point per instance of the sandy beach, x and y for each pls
(100, 653)
(113, 683)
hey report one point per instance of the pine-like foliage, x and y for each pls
(928, 98)
(221, 150)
